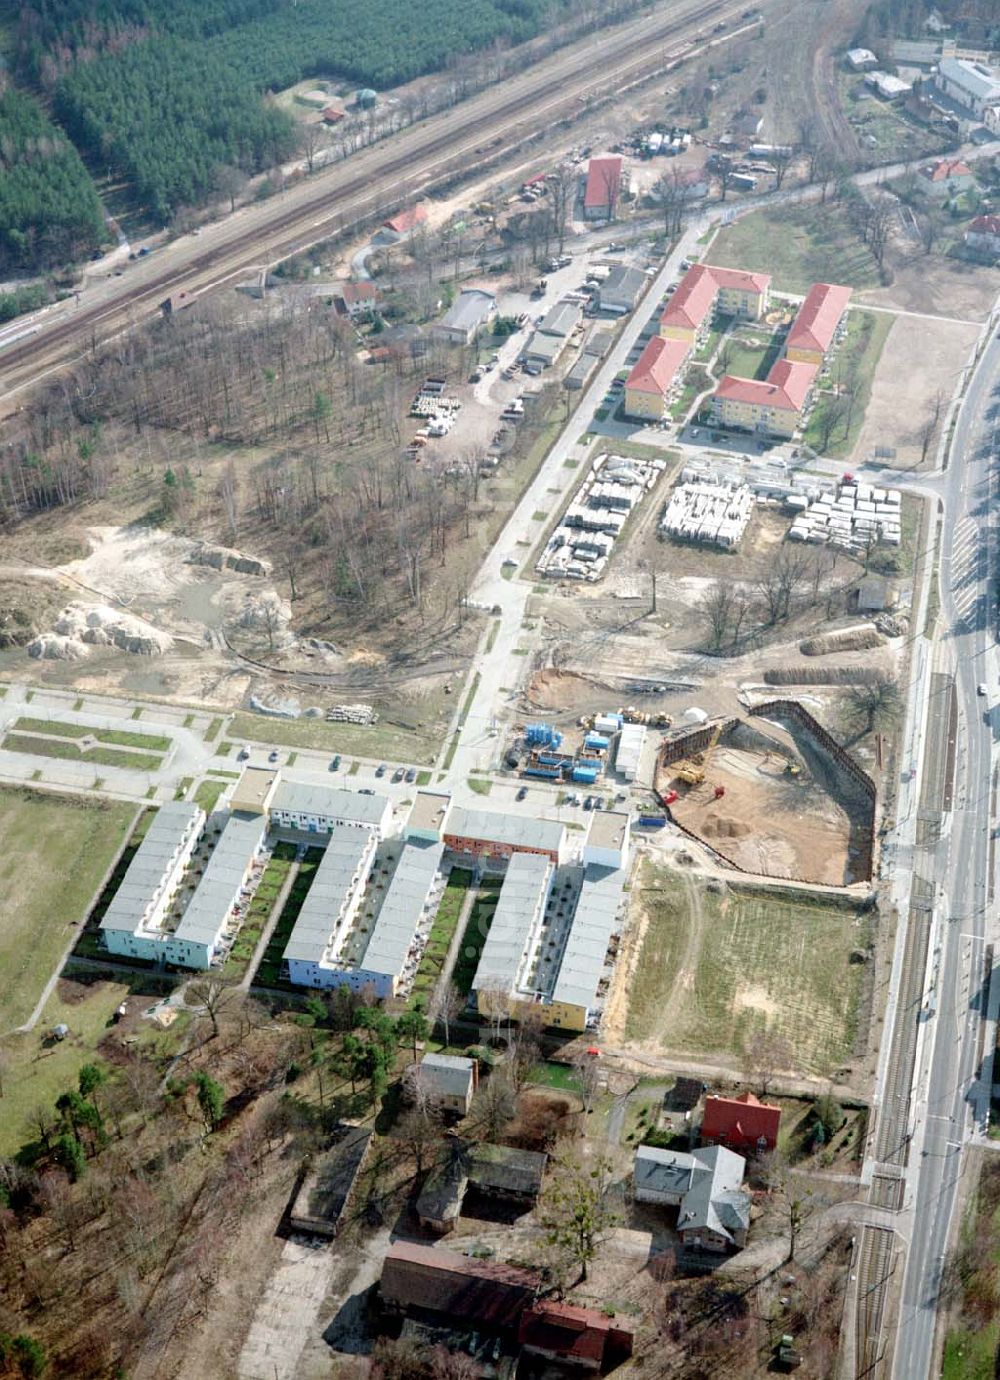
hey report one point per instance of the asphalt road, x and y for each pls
(951, 1093)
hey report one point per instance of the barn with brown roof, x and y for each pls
(420, 1281)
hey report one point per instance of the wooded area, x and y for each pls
(49, 210)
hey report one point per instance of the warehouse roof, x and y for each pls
(623, 284)
(345, 852)
(628, 756)
(223, 876)
(402, 906)
(977, 80)
(470, 309)
(818, 317)
(656, 368)
(785, 387)
(516, 831)
(561, 319)
(329, 802)
(595, 918)
(521, 898)
(545, 347)
(146, 873)
(443, 1281)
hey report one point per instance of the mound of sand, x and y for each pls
(80, 626)
(225, 558)
(719, 827)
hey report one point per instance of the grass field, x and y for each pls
(715, 968)
(269, 969)
(382, 740)
(39, 1070)
(858, 358)
(798, 246)
(55, 852)
(207, 795)
(68, 751)
(972, 1346)
(117, 737)
(476, 929)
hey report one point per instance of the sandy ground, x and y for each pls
(769, 822)
(939, 285)
(920, 361)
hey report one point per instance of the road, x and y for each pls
(363, 188)
(951, 1090)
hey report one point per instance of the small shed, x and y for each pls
(873, 594)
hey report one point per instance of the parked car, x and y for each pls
(411, 774)
(366, 790)
(273, 755)
(335, 763)
(243, 753)
(588, 804)
(397, 775)
(981, 689)
(522, 793)
(380, 769)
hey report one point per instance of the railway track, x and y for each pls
(369, 185)
(874, 1270)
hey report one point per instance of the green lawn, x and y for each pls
(150, 742)
(207, 795)
(798, 246)
(479, 786)
(268, 971)
(72, 752)
(476, 929)
(55, 852)
(442, 933)
(381, 740)
(856, 360)
(716, 968)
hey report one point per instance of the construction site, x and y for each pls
(772, 794)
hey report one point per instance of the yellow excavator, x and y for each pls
(692, 773)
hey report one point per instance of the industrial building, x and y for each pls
(628, 755)
(199, 937)
(472, 309)
(973, 85)
(552, 336)
(428, 1282)
(621, 290)
(132, 926)
(315, 809)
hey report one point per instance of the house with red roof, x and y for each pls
(654, 374)
(573, 1336)
(817, 323)
(427, 1281)
(772, 405)
(354, 299)
(333, 114)
(741, 1123)
(983, 236)
(950, 175)
(603, 189)
(405, 222)
(706, 288)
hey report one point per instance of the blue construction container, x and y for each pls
(554, 759)
(542, 735)
(596, 740)
(588, 775)
(545, 773)
(652, 821)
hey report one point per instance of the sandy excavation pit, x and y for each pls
(773, 821)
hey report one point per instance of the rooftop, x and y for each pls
(623, 282)
(594, 921)
(429, 811)
(608, 828)
(577, 1334)
(449, 1073)
(352, 293)
(470, 308)
(656, 368)
(345, 853)
(328, 802)
(818, 317)
(488, 1291)
(515, 831)
(505, 948)
(145, 874)
(561, 319)
(697, 290)
(786, 387)
(984, 225)
(945, 169)
(744, 1117)
(981, 82)
(709, 1183)
(223, 876)
(407, 220)
(252, 793)
(402, 907)
(604, 176)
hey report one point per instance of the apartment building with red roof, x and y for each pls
(654, 374)
(816, 323)
(741, 1123)
(706, 288)
(773, 405)
(603, 188)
